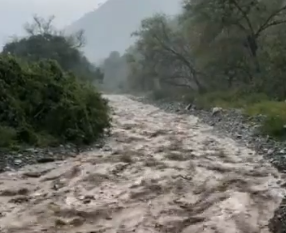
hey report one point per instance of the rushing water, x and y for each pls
(160, 172)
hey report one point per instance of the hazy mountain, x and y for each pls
(108, 28)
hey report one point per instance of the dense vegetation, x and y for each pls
(46, 96)
(229, 53)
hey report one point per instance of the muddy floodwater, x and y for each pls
(159, 172)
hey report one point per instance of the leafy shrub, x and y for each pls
(42, 104)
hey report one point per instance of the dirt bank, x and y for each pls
(160, 172)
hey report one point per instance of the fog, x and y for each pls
(108, 28)
(14, 13)
(107, 24)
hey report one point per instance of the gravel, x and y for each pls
(244, 130)
(14, 160)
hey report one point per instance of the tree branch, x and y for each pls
(245, 15)
(266, 24)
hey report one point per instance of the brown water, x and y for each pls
(162, 173)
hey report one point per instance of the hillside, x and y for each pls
(109, 27)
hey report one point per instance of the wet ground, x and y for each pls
(160, 172)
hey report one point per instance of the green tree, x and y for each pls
(165, 53)
(213, 45)
(43, 41)
(225, 51)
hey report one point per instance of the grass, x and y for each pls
(252, 105)
(275, 122)
(228, 100)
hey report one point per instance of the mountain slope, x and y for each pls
(109, 27)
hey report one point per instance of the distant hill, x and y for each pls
(108, 28)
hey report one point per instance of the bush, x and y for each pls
(42, 105)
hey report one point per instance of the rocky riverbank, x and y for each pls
(13, 160)
(244, 130)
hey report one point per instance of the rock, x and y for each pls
(188, 107)
(98, 145)
(106, 148)
(50, 153)
(282, 151)
(18, 161)
(270, 151)
(31, 174)
(216, 110)
(31, 150)
(45, 160)
(278, 221)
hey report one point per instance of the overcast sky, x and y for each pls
(14, 13)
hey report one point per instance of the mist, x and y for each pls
(109, 27)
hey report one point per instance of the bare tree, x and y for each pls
(40, 26)
(77, 39)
